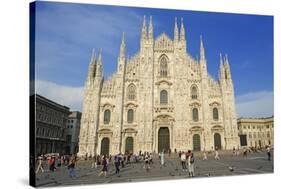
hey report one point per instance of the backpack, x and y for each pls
(192, 159)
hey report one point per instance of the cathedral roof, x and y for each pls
(163, 42)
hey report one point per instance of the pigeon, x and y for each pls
(231, 169)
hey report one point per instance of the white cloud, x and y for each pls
(255, 104)
(62, 94)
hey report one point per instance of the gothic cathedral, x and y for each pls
(158, 100)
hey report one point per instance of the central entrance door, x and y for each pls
(196, 142)
(217, 140)
(129, 147)
(163, 139)
(104, 146)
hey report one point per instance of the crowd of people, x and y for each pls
(119, 161)
(55, 161)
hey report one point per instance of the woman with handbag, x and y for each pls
(71, 167)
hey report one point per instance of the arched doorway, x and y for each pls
(196, 142)
(163, 139)
(217, 140)
(104, 146)
(129, 147)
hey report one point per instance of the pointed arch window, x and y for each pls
(130, 116)
(163, 67)
(195, 116)
(106, 117)
(163, 97)
(131, 90)
(215, 114)
(194, 92)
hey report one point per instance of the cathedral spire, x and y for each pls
(93, 57)
(176, 30)
(221, 61)
(122, 47)
(92, 66)
(144, 31)
(202, 50)
(122, 55)
(150, 28)
(182, 32)
(222, 70)
(227, 67)
(99, 70)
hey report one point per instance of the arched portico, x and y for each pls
(163, 133)
(217, 137)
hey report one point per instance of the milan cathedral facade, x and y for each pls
(160, 99)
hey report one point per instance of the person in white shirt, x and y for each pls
(268, 153)
(205, 155)
(40, 164)
(183, 161)
(190, 162)
(217, 154)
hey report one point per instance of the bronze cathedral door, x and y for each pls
(129, 146)
(163, 139)
(104, 146)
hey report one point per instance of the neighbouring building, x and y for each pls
(159, 99)
(72, 132)
(256, 132)
(51, 119)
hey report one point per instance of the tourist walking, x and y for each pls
(268, 153)
(233, 151)
(150, 158)
(237, 151)
(245, 152)
(104, 166)
(217, 154)
(117, 163)
(52, 162)
(146, 161)
(71, 167)
(162, 158)
(94, 162)
(122, 157)
(40, 164)
(190, 162)
(205, 155)
(183, 161)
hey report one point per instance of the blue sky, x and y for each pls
(66, 33)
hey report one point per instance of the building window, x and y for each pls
(163, 67)
(68, 138)
(195, 114)
(163, 97)
(194, 93)
(131, 92)
(130, 116)
(106, 118)
(215, 114)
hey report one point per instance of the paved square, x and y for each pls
(255, 163)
